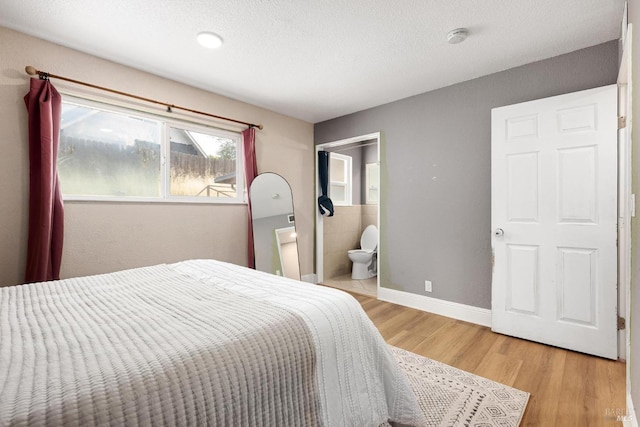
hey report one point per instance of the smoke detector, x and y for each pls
(457, 36)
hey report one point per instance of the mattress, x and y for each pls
(199, 342)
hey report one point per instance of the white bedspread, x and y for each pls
(66, 344)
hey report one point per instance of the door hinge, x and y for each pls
(622, 122)
(621, 323)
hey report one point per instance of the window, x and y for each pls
(340, 179)
(111, 153)
(202, 164)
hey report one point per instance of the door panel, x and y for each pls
(522, 182)
(523, 279)
(577, 185)
(554, 216)
(576, 285)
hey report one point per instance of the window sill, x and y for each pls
(152, 200)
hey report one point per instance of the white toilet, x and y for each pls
(363, 257)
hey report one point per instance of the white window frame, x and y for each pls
(347, 184)
(165, 147)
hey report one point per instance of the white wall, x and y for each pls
(104, 237)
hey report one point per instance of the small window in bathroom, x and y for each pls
(340, 179)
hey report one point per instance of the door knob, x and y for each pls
(499, 232)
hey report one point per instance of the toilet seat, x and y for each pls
(364, 251)
(369, 238)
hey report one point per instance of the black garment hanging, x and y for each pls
(324, 202)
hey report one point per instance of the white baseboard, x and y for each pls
(311, 278)
(468, 313)
(630, 420)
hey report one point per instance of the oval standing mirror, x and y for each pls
(274, 233)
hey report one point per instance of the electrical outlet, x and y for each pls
(427, 286)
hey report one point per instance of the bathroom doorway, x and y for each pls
(354, 188)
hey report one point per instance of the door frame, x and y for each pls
(626, 207)
(320, 218)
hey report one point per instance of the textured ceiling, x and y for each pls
(321, 59)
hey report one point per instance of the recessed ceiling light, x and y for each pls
(209, 40)
(457, 36)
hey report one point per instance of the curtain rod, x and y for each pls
(32, 71)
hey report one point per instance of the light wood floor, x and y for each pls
(567, 388)
(368, 287)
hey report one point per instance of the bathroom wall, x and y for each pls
(342, 233)
(369, 216)
(343, 230)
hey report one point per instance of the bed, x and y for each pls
(198, 342)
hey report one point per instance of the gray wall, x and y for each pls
(436, 171)
(633, 359)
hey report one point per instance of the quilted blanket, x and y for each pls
(194, 343)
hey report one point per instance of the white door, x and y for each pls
(553, 218)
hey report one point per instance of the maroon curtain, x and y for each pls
(46, 211)
(250, 172)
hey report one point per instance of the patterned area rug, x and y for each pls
(452, 397)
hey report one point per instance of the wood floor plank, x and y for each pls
(567, 388)
(609, 394)
(578, 406)
(499, 367)
(541, 376)
(402, 319)
(473, 355)
(448, 343)
(405, 339)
